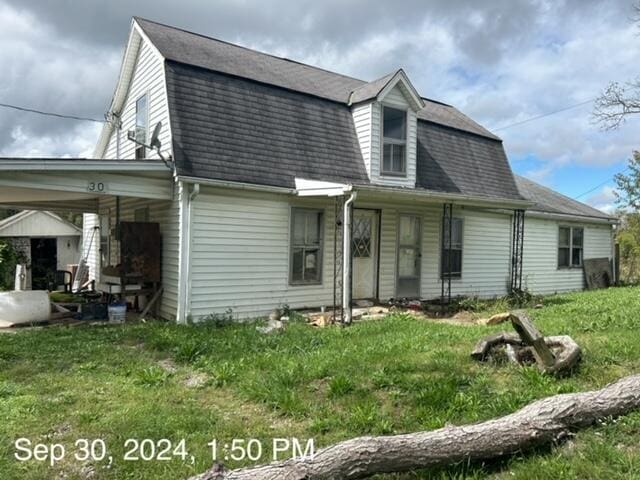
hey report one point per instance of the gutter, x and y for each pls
(455, 198)
(571, 218)
(102, 165)
(237, 185)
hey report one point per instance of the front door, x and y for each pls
(364, 248)
(409, 255)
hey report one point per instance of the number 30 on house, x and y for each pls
(98, 187)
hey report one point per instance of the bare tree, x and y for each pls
(619, 100)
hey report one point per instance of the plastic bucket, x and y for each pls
(117, 312)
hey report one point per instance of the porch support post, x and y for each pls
(445, 268)
(517, 251)
(346, 257)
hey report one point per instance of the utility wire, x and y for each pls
(548, 114)
(600, 184)
(51, 114)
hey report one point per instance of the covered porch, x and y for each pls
(390, 244)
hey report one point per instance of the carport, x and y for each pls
(119, 194)
(78, 184)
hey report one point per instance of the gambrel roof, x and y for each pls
(223, 57)
(245, 116)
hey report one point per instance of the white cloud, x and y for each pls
(605, 200)
(499, 61)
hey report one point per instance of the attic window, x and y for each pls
(142, 125)
(394, 133)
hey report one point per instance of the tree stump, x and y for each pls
(556, 355)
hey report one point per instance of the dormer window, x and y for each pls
(394, 133)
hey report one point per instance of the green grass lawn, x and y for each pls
(395, 375)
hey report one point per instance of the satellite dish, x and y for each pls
(155, 141)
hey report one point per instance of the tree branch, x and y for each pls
(541, 422)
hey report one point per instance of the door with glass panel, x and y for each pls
(364, 249)
(409, 256)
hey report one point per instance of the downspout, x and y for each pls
(195, 191)
(185, 258)
(346, 258)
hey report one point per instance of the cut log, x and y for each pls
(542, 422)
(532, 336)
(485, 345)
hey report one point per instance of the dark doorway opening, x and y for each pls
(43, 263)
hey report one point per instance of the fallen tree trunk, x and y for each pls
(542, 422)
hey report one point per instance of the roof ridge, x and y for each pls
(226, 42)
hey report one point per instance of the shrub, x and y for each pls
(218, 319)
(9, 258)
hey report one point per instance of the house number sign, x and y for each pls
(97, 187)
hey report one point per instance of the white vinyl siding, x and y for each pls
(91, 247)
(368, 124)
(240, 254)
(148, 78)
(485, 258)
(540, 273)
(362, 119)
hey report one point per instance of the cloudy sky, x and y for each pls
(500, 61)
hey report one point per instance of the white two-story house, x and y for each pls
(291, 185)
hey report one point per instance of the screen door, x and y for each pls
(408, 272)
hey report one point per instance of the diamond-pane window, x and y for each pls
(361, 241)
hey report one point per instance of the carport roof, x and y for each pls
(109, 164)
(76, 184)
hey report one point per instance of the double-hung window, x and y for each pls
(570, 247)
(452, 251)
(394, 133)
(142, 125)
(306, 246)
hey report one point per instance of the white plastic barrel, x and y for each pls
(24, 307)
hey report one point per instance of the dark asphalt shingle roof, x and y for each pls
(368, 91)
(244, 116)
(238, 130)
(550, 201)
(453, 161)
(212, 54)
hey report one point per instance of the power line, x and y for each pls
(600, 184)
(50, 114)
(548, 114)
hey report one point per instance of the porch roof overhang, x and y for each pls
(375, 192)
(77, 184)
(314, 188)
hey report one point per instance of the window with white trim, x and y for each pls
(142, 125)
(455, 252)
(306, 246)
(570, 247)
(394, 134)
